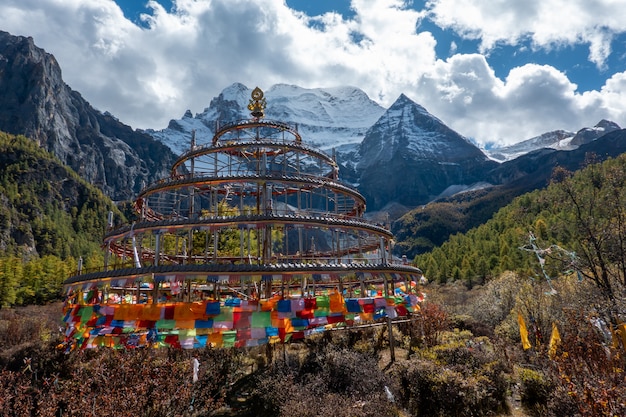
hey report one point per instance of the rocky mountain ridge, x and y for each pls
(327, 118)
(365, 138)
(38, 104)
(423, 228)
(399, 157)
(425, 156)
(558, 140)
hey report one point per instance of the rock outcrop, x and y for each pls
(38, 104)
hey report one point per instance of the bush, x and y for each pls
(467, 322)
(427, 389)
(44, 381)
(463, 377)
(330, 380)
(433, 320)
(32, 324)
(587, 369)
(535, 390)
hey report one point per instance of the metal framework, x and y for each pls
(255, 213)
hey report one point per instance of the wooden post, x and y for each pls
(385, 285)
(362, 281)
(392, 352)
(155, 290)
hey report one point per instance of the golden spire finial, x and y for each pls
(257, 104)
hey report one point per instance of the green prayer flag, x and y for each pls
(187, 332)
(165, 324)
(261, 319)
(85, 313)
(229, 337)
(323, 301)
(226, 314)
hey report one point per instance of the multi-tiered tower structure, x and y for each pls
(253, 223)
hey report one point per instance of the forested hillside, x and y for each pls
(426, 227)
(577, 225)
(49, 217)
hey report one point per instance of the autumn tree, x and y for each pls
(597, 219)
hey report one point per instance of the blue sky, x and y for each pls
(498, 72)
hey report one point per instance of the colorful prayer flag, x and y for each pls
(555, 341)
(523, 332)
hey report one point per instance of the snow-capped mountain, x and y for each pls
(409, 156)
(398, 158)
(408, 127)
(402, 154)
(327, 118)
(558, 140)
(589, 134)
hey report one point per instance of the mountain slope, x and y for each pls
(558, 140)
(410, 157)
(589, 134)
(326, 117)
(576, 219)
(45, 207)
(38, 104)
(427, 227)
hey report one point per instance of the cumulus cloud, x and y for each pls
(531, 100)
(547, 23)
(176, 60)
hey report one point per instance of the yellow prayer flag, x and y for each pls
(215, 339)
(523, 332)
(555, 340)
(80, 297)
(337, 303)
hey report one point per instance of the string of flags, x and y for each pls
(233, 322)
(613, 337)
(557, 251)
(569, 259)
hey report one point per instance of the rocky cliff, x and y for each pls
(37, 103)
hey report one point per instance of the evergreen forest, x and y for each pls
(49, 218)
(575, 226)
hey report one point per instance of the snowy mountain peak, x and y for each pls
(326, 117)
(406, 127)
(557, 139)
(329, 107)
(607, 125)
(403, 101)
(589, 134)
(413, 112)
(410, 156)
(235, 92)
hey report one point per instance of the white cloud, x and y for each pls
(547, 23)
(533, 99)
(180, 60)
